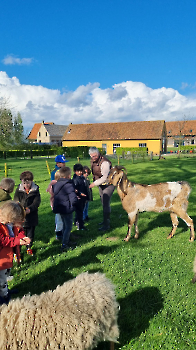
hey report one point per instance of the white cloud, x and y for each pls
(11, 60)
(127, 101)
(184, 86)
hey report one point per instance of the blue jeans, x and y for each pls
(67, 227)
(85, 212)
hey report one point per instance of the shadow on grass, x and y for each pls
(136, 310)
(58, 273)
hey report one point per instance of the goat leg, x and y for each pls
(136, 227)
(194, 279)
(131, 221)
(128, 235)
(174, 219)
(172, 232)
(192, 233)
(111, 345)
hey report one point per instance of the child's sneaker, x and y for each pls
(15, 258)
(10, 278)
(59, 235)
(30, 251)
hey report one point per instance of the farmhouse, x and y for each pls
(150, 134)
(48, 133)
(181, 132)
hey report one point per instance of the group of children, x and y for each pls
(69, 195)
(18, 218)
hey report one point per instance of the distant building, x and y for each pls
(150, 134)
(181, 132)
(47, 133)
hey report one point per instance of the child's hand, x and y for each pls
(83, 195)
(27, 210)
(25, 241)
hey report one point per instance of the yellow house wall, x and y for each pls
(154, 146)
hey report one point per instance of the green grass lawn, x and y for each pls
(152, 275)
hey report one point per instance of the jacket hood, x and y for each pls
(34, 187)
(61, 182)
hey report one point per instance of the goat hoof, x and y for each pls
(194, 279)
(126, 239)
(170, 236)
(191, 240)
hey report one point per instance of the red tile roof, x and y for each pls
(181, 127)
(117, 131)
(34, 131)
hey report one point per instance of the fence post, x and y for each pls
(49, 172)
(5, 170)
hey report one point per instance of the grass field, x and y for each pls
(152, 275)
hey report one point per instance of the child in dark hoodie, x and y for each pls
(81, 191)
(65, 200)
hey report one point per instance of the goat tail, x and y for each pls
(186, 187)
(194, 270)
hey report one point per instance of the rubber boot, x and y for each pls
(106, 222)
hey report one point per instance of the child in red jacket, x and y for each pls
(12, 216)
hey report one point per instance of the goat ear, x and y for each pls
(121, 167)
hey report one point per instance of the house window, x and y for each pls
(192, 142)
(142, 144)
(115, 145)
(176, 143)
(46, 133)
(39, 133)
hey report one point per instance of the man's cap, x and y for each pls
(60, 159)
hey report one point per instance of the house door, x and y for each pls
(104, 146)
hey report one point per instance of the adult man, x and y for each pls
(60, 162)
(101, 166)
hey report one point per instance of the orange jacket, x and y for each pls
(9, 246)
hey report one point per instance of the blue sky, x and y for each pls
(81, 55)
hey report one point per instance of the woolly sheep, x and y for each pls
(76, 315)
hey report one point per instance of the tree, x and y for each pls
(18, 130)
(6, 128)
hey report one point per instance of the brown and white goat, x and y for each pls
(166, 196)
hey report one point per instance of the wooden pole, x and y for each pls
(5, 170)
(111, 345)
(49, 172)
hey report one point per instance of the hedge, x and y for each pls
(69, 152)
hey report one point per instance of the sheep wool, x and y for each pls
(76, 315)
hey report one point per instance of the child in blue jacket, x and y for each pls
(65, 200)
